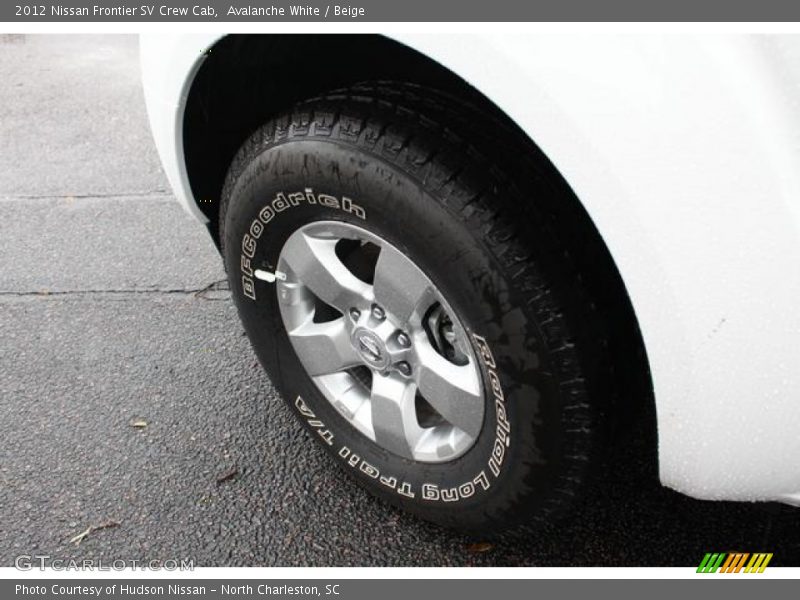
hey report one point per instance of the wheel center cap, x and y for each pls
(370, 348)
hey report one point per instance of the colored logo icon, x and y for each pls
(734, 562)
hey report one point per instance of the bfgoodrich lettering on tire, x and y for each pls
(421, 319)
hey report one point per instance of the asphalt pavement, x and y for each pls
(132, 403)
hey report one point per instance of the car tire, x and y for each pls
(390, 189)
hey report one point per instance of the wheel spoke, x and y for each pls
(399, 286)
(453, 390)
(313, 261)
(394, 418)
(324, 348)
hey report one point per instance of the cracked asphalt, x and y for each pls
(130, 396)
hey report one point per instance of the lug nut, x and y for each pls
(404, 368)
(378, 312)
(355, 314)
(403, 340)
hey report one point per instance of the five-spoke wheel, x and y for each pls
(380, 341)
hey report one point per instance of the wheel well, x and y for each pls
(247, 79)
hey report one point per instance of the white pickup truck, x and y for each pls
(465, 260)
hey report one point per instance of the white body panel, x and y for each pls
(685, 151)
